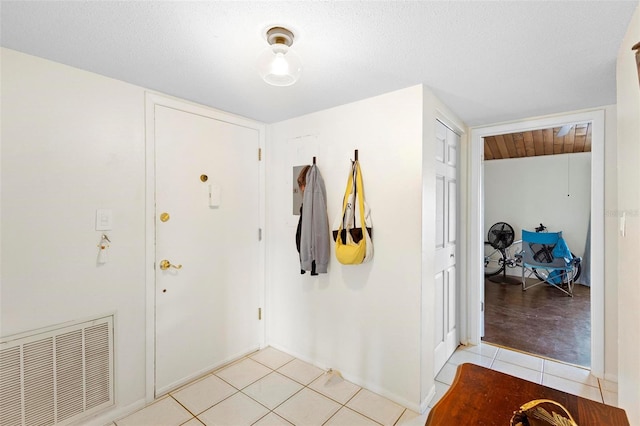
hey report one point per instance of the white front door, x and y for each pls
(446, 283)
(206, 227)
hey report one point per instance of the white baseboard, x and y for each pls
(424, 405)
(414, 406)
(110, 415)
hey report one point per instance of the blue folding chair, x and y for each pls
(546, 255)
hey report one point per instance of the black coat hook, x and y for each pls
(355, 155)
(314, 160)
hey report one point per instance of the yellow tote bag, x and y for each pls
(349, 252)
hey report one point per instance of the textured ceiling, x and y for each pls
(487, 61)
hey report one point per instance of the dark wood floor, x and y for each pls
(542, 321)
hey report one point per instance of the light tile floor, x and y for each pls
(272, 388)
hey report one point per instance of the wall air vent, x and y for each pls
(57, 375)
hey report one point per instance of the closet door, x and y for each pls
(207, 245)
(446, 282)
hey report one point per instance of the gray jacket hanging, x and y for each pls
(314, 233)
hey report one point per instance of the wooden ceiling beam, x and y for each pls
(518, 140)
(558, 142)
(538, 142)
(529, 147)
(569, 141)
(587, 142)
(487, 152)
(547, 137)
(511, 146)
(502, 147)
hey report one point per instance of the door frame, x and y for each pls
(151, 101)
(476, 223)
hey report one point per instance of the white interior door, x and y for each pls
(446, 283)
(206, 227)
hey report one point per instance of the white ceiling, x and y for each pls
(487, 61)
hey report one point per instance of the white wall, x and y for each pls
(363, 320)
(551, 189)
(73, 142)
(629, 203)
(610, 246)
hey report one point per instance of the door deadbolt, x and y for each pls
(164, 217)
(165, 264)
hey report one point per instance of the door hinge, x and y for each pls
(259, 154)
(259, 314)
(481, 306)
(259, 234)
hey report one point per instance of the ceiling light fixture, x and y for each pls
(564, 130)
(278, 64)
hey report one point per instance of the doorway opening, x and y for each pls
(475, 295)
(538, 180)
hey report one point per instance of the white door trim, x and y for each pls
(476, 223)
(151, 100)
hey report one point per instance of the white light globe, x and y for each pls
(279, 65)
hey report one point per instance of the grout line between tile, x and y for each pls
(401, 414)
(600, 388)
(180, 404)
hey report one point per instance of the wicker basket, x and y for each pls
(542, 412)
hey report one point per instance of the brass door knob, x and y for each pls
(165, 264)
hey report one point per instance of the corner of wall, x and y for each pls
(628, 128)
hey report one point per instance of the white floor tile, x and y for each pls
(165, 412)
(570, 372)
(243, 373)
(217, 400)
(307, 408)
(272, 358)
(238, 410)
(335, 388)
(204, 394)
(610, 398)
(376, 407)
(272, 390)
(441, 389)
(193, 422)
(517, 358)
(572, 387)
(301, 371)
(607, 385)
(347, 417)
(411, 418)
(483, 349)
(272, 419)
(447, 373)
(462, 356)
(517, 371)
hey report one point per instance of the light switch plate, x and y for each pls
(215, 195)
(104, 219)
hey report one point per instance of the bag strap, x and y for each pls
(355, 185)
(345, 200)
(354, 172)
(359, 187)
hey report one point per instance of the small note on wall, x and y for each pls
(297, 194)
